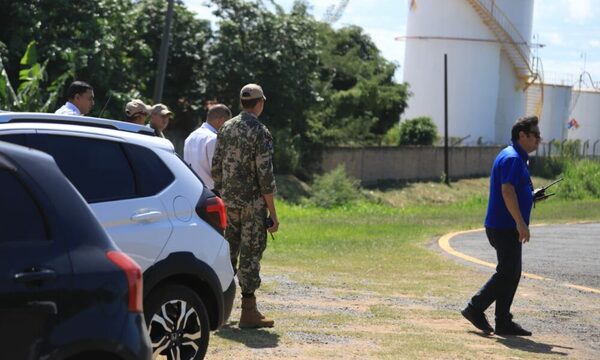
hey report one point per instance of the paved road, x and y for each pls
(566, 253)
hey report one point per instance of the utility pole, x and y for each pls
(446, 166)
(159, 83)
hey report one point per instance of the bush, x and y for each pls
(582, 181)
(560, 156)
(335, 189)
(549, 167)
(292, 189)
(287, 151)
(392, 137)
(418, 131)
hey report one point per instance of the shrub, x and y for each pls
(335, 189)
(392, 136)
(560, 156)
(549, 167)
(571, 148)
(287, 151)
(418, 131)
(582, 181)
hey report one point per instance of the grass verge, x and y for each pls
(363, 282)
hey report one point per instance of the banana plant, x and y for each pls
(31, 94)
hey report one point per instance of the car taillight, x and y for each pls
(214, 213)
(133, 272)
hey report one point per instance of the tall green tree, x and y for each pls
(186, 77)
(274, 49)
(114, 45)
(324, 86)
(360, 99)
(98, 36)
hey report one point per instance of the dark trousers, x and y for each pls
(501, 287)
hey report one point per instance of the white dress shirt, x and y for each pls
(198, 151)
(68, 109)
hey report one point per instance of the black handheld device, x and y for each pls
(540, 194)
(268, 223)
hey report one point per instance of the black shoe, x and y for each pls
(478, 319)
(512, 328)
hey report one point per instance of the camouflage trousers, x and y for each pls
(247, 236)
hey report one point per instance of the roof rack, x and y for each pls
(18, 117)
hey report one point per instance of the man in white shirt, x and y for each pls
(200, 145)
(81, 99)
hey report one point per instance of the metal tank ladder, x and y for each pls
(534, 95)
(516, 48)
(508, 36)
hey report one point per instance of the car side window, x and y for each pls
(20, 216)
(99, 169)
(152, 175)
(18, 139)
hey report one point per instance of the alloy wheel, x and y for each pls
(174, 330)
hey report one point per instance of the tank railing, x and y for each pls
(517, 39)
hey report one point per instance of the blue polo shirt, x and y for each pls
(510, 167)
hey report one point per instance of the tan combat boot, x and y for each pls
(251, 317)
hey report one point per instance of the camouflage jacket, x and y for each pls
(242, 166)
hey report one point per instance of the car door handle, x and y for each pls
(34, 275)
(146, 217)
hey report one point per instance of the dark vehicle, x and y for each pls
(66, 290)
(156, 210)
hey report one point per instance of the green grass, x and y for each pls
(370, 241)
(377, 251)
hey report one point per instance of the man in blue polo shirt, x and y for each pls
(507, 228)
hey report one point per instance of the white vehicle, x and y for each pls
(156, 210)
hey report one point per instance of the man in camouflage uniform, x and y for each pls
(242, 169)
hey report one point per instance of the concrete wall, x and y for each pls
(410, 162)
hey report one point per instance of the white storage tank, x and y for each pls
(586, 112)
(485, 93)
(555, 110)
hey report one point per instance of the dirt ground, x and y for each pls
(333, 323)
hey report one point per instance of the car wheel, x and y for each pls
(177, 323)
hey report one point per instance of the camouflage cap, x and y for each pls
(252, 91)
(135, 107)
(161, 109)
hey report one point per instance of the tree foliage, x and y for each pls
(113, 44)
(418, 131)
(276, 50)
(360, 100)
(186, 78)
(324, 86)
(33, 93)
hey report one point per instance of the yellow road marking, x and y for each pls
(582, 288)
(444, 243)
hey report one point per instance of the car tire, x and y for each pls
(177, 323)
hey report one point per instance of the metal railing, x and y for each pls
(576, 149)
(518, 42)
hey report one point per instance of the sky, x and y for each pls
(568, 29)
